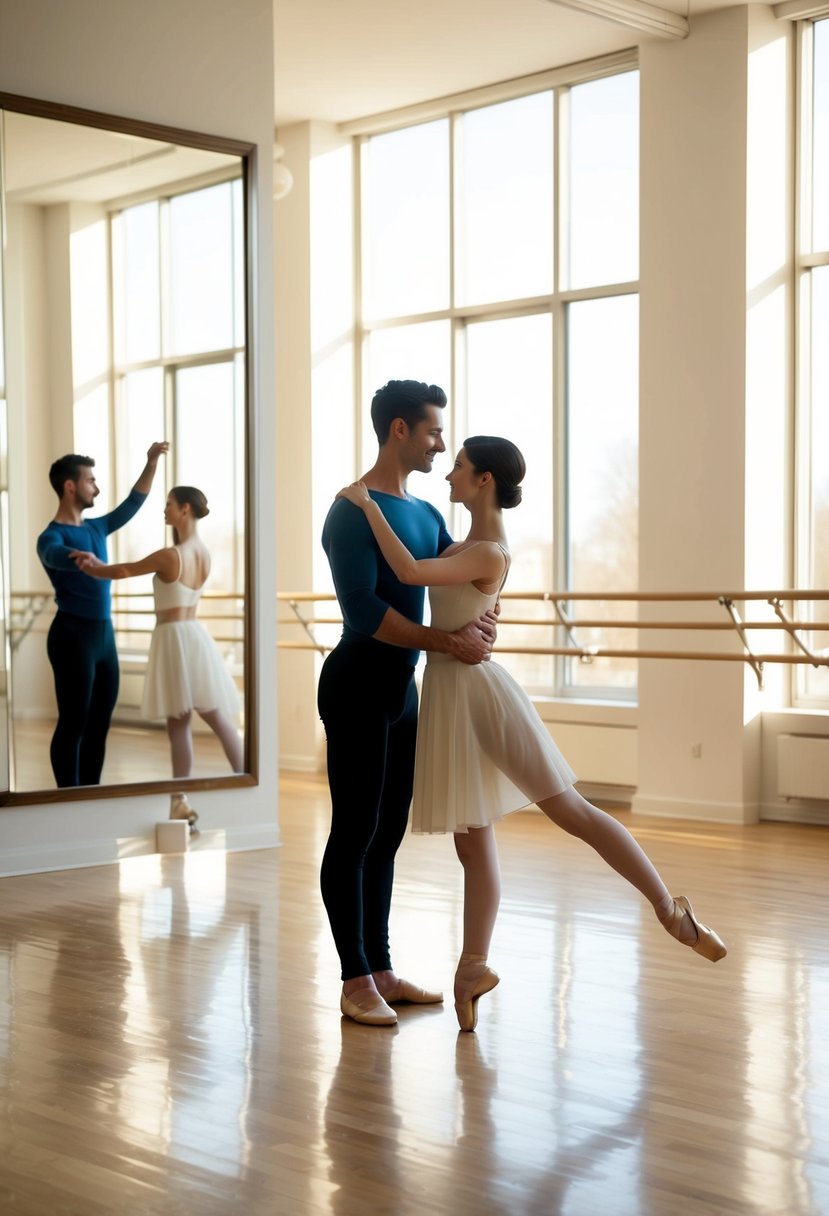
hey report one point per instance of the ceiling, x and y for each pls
(344, 59)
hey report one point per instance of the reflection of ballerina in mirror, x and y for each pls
(185, 671)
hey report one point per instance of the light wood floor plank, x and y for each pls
(170, 1040)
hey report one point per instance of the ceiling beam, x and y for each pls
(636, 14)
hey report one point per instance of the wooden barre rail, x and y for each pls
(600, 652)
(585, 654)
(631, 596)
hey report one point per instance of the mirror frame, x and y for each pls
(247, 154)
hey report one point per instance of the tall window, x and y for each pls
(178, 326)
(500, 260)
(812, 685)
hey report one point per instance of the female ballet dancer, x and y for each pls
(184, 669)
(482, 750)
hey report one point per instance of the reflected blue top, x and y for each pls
(75, 591)
(366, 585)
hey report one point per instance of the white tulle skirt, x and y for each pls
(482, 749)
(184, 672)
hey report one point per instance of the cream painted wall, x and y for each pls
(315, 377)
(206, 66)
(292, 272)
(715, 387)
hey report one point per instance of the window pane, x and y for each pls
(139, 421)
(201, 271)
(237, 198)
(815, 682)
(91, 431)
(602, 243)
(136, 284)
(206, 457)
(509, 367)
(406, 221)
(820, 136)
(411, 352)
(602, 475)
(505, 201)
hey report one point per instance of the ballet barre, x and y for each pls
(725, 602)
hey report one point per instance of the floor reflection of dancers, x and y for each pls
(362, 1126)
(495, 1169)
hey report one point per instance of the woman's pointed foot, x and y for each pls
(365, 1005)
(472, 980)
(692, 932)
(180, 808)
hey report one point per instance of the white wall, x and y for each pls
(207, 66)
(315, 377)
(715, 387)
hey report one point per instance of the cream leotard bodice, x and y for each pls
(174, 595)
(455, 605)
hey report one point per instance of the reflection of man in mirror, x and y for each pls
(367, 697)
(81, 642)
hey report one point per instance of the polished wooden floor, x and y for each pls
(171, 1041)
(134, 753)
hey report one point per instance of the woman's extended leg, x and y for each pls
(614, 843)
(478, 854)
(181, 750)
(228, 736)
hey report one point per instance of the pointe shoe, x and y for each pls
(476, 979)
(180, 808)
(370, 1009)
(405, 993)
(708, 943)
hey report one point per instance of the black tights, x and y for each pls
(85, 662)
(368, 704)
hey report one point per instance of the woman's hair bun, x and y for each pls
(509, 496)
(501, 458)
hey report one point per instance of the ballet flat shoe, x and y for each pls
(405, 993)
(180, 808)
(371, 1010)
(484, 981)
(708, 943)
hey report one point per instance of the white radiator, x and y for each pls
(803, 766)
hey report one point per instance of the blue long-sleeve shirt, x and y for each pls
(75, 591)
(365, 584)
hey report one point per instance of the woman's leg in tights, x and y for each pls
(614, 843)
(477, 852)
(228, 736)
(181, 744)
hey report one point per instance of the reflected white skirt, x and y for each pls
(184, 672)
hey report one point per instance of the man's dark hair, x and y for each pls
(68, 468)
(406, 399)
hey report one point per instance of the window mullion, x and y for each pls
(360, 334)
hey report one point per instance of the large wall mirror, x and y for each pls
(125, 307)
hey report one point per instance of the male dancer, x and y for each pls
(368, 701)
(81, 641)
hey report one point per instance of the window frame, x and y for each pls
(806, 260)
(559, 83)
